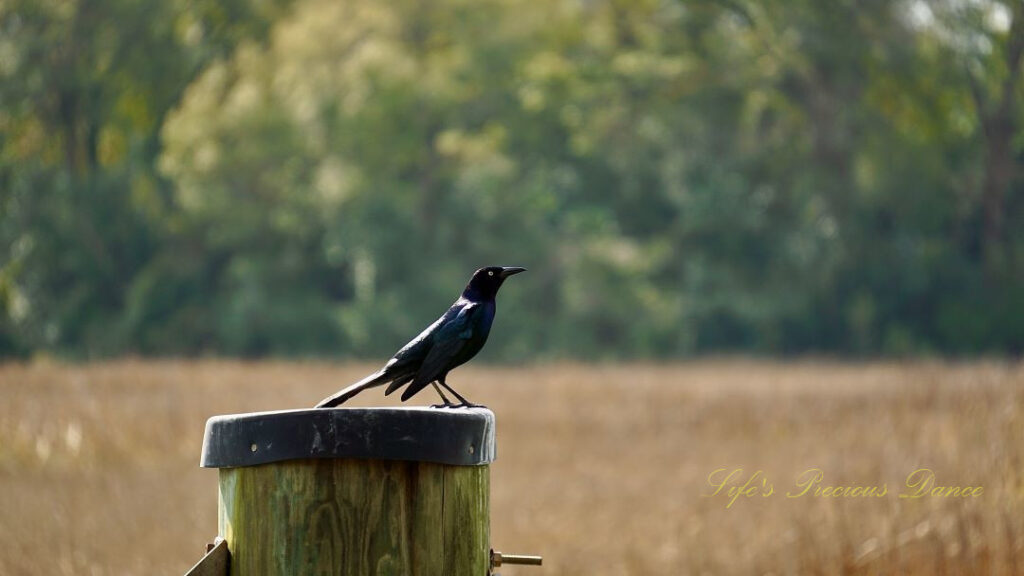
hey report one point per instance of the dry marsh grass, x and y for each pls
(603, 469)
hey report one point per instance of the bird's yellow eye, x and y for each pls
(490, 272)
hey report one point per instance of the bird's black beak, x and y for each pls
(510, 270)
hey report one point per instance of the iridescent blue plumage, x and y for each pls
(450, 341)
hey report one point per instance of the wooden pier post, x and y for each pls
(354, 491)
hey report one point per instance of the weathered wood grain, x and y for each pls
(466, 530)
(355, 517)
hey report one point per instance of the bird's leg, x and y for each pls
(447, 403)
(463, 403)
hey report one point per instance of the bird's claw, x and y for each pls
(452, 406)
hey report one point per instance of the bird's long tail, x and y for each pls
(376, 379)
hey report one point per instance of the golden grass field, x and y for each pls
(602, 469)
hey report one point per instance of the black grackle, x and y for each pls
(449, 342)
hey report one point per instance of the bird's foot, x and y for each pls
(445, 405)
(466, 404)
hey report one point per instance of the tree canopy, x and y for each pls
(316, 177)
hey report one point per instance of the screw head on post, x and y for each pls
(497, 559)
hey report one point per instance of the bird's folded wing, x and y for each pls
(448, 343)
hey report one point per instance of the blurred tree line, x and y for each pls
(315, 177)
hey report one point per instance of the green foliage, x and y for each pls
(680, 178)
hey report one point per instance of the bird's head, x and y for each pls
(485, 282)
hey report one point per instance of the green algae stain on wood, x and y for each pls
(466, 520)
(424, 507)
(355, 517)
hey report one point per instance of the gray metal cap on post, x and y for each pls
(459, 437)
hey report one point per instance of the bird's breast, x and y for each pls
(487, 317)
